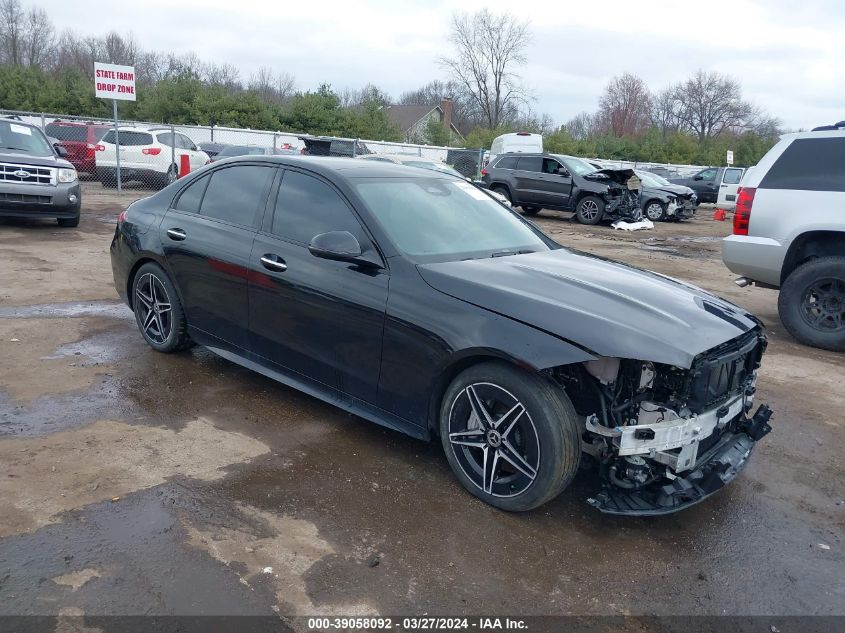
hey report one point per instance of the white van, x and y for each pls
(516, 142)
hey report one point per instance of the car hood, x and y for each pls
(603, 306)
(678, 190)
(22, 158)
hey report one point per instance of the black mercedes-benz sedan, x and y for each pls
(417, 301)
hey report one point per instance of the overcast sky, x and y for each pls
(789, 56)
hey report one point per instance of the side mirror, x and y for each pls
(562, 171)
(698, 177)
(60, 150)
(341, 246)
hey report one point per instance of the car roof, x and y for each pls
(339, 167)
(399, 158)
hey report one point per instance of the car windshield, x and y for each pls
(577, 166)
(433, 166)
(651, 179)
(23, 138)
(240, 150)
(436, 219)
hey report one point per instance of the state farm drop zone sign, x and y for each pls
(112, 81)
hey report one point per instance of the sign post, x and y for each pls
(730, 157)
(115, 82)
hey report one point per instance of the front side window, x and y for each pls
(708, 174)
(809, 164)
(443, 219)
(234, 194)
(306, 207)
(550, 166)
(530, 163)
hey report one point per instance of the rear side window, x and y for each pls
(732, 176)
(508, 162)
(190, 198)
(234, 194)
(306, 207)
(809, 164)
(530, 163)
(128, 138)
(67, 132)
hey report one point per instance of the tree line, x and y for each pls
(695, 121)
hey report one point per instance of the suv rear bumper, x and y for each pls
(758, 258)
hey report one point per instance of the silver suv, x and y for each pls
(789, 233)
(35, 179)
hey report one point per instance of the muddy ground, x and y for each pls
(138, 483)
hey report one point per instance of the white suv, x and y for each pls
(151, 155)
(789, 233)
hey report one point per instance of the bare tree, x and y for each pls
(625, 105)
(581, 126)
(463, 115)
(39, 38)
(710, 103)
(12, 25)
(272, 87)
(224, 75)
(488, 49)
(351, 97)
(664, 111)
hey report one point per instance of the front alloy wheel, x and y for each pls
(494, 440)
(510, 436)
(655, 211)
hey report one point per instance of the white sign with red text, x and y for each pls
(112, 81)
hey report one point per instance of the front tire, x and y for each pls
(69, 222)
(529, 210)
(590, 210)
(811, 303)
(511, 437)
(158, 311)
(655, 210)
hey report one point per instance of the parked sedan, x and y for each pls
(662, 200)
(414, 300)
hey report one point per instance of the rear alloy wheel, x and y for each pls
(590, 210)
(504, 192)
(655, 211)
(172, 175)
(811, 303)
(511, 437)
(158, 312)
(528, 210)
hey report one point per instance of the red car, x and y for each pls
(79, 139)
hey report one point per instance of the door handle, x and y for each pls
(176, 234)
(274, 262)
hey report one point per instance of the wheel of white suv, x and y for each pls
(811, 303)
(511, 437)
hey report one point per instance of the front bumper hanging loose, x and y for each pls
(714, 469)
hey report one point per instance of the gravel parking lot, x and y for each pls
(133, 482)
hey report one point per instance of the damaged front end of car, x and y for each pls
(665, 437)
(622, 196)
(681, 206)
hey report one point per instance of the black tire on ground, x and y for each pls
(164, 329)
(811, 303)
(529, 210)
(543, 440)
(503, 191)
(69, 222)
(654, 210)
(108, 183)
(590, 210)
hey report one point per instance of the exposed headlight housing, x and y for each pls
(67, 175)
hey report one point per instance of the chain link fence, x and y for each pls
(139, 155)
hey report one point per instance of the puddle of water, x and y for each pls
(69, 309)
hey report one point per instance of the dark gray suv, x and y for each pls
(565, 183)
(35, 180)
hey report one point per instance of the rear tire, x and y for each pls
(503, 191)
(528, 210)
(158, 311)
(590, 210)
(530, 456)
(811, 303)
